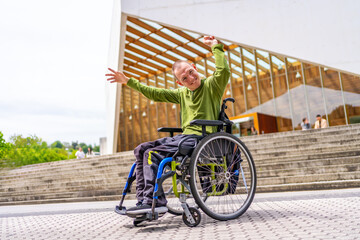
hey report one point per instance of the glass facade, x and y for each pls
(261, 82)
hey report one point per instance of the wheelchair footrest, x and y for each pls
(121, 211)
(144, 214)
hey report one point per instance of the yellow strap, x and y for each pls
(149, 158)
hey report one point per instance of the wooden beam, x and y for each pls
(135, 71)
(147, 55)
(159, 43)
(150, 48)
(190, 38)
(144, 61)
(164, 35)
(150, 71)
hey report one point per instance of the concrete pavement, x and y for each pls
(330, 214)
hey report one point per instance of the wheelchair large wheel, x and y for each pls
(222, 169)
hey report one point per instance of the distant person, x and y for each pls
(89, 153)
(253, 131)
(80, 154)
(305, 125)
(320, 122)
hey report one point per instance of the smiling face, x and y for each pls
(187, 75)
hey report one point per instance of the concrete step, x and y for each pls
(104, 184)
(288, 161)
(304, 156)
(308, 170)
(268, 188)
(258, 153)
(66, 178)
(262, 184)
(340, 140)
(309, 178)
(64, 164)
(331, 131)
(91, 177)
(103, 167)
(355, 183)
(315, 163)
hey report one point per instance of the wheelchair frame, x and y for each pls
(191, 215)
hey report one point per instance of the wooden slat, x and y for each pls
(152, 49)
(146, 55)
(166, 36)
(136, 72)
(159, 43)
(150, 71)
(144, 61)
(213, 61)
(190, 38)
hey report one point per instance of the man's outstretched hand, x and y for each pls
(117, 77)
(210, 40)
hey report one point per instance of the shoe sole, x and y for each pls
(146, 210)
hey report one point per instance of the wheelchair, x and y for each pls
(217, 175)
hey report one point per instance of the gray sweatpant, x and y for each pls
(147, 165)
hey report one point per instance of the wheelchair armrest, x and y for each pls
(169, 130)
(202, 122)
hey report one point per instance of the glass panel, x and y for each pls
(152, 111)
(334, 101)
(250, 82)
(161, 109)
(171, 108)
(297, 92)
(237, 82)
(144, 117)
(351, 87)
(314, 92)
(283, 118)
(129, 120)
(136, 117)
(121, 144)
(265, 85)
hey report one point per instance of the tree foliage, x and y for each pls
(57, 144)
(30, 150)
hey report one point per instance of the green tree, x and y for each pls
(31, 150)
(4, 149)
(96, 148)
(74, 145)
(57, 144)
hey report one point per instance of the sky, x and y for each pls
(53, 57)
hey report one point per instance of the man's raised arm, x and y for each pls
(152, 93)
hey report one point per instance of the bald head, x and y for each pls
(177, 65)
(186, 74)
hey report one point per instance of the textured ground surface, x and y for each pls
(331, 214)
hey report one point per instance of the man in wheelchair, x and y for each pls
(198, 99)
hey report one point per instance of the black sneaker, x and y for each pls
(141, 208)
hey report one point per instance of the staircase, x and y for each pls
(288, 161)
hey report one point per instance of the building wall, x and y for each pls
(320, 31)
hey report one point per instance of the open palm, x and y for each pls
(117, 77)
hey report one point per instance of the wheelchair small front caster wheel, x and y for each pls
(137, 222)
(196, 215)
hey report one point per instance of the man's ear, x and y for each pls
(178, 82)
(194, 66)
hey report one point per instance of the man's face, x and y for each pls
(187, 76)
(318, 118)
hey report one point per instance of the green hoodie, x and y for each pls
(203, 103)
